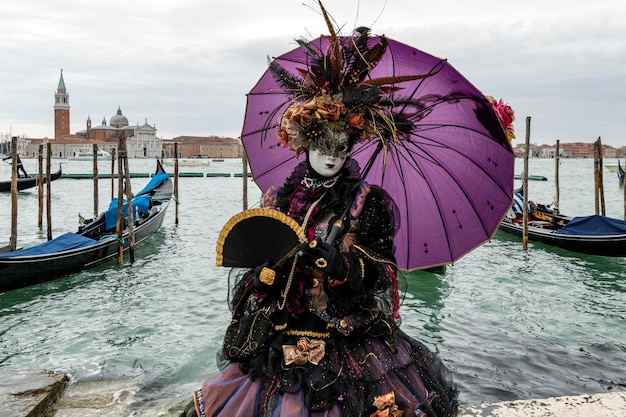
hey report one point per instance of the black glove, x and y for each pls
(325, 257)
(265, 278)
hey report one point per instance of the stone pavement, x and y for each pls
(29, 393)
(40, 393)
(612, 404)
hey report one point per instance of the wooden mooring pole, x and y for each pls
(112, 173)
(48, 190)
(599, 187)
(557, 159)
(13, 238)
(95, 180)
(244, 164)
(40, 191)
(525, 185)
(176, 151)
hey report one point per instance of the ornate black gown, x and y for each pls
(336, 348)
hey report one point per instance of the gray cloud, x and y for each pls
(187, 65)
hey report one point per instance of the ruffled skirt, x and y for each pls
(347, 383)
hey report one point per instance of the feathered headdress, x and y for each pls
(335, 93)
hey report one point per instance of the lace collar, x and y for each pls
(309, 182)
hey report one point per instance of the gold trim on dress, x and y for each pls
(381, 260)
(308, 333)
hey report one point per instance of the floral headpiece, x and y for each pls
(506, 115)
(335, 93)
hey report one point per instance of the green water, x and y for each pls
(510, 324)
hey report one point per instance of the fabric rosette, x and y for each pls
(386, 405)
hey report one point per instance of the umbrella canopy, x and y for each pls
(450, 172)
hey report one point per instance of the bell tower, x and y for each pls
(61, 110)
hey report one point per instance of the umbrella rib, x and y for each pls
(465, 128)
(408, 156)
(456, 180)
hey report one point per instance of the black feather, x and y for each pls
(361, 96)
(291, 84)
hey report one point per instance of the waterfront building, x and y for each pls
(141, 140)
(203, 147)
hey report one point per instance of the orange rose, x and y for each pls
(356, 120)
(283, 138)
(331, 110)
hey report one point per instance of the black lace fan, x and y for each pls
(253, 237)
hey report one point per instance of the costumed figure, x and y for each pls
(321, 328)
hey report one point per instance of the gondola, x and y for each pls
(94, 243)
(25, 183)
(591, 235)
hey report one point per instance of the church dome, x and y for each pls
(119, 120)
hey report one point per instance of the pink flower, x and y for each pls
(505, 114)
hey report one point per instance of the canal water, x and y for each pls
(510, 324)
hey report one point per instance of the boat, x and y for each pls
(613, 167)
(532, 177)
(620, 174)
(190, 162)
(591, 235)
(94, 243)
(88, 155)
(24, 183)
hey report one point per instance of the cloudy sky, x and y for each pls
(186, 65)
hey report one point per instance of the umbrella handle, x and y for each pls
(338, 224)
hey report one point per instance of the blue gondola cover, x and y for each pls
(62, 243)
(594, 225)
(140, 203)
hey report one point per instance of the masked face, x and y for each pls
(328, 155)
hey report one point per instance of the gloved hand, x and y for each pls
(264, 278)
(325, 257)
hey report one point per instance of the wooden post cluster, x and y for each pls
(123, 184)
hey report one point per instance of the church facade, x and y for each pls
(141, 140)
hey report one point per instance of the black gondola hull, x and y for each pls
(588, 244)
(21, 271)
(29, 182)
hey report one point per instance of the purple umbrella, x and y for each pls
(449, 167)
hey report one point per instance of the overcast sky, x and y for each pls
(186, 65)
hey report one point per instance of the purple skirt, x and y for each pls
(344, 383)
